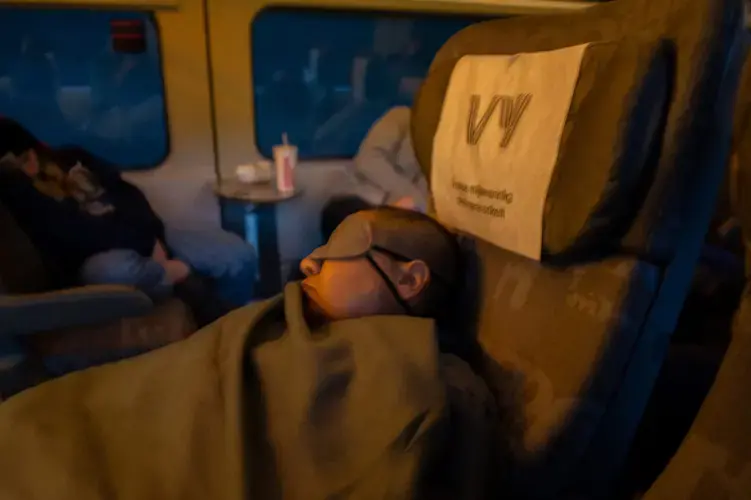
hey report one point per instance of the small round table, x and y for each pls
(249, 210)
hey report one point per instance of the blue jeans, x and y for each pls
(216, 254)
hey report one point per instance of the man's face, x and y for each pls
(343, 289)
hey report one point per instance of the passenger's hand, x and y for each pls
(309, 267)
(177, 271)
(407, 203)
(159, 254)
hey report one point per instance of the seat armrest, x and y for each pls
(72, 307)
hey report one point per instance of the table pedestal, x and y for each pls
(250, 212)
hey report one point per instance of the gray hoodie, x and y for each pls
(386, 168)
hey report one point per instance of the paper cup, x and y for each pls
(285, 161)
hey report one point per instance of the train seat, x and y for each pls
(714, 459)
(720, 278)
(573, 338)
(57, 330)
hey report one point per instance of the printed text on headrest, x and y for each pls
(511, 113)
(497, 144)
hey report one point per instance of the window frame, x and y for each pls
(123, 8)
(360, 10)
(227, 33)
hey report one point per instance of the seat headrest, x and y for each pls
(548, 154)
(703, 33)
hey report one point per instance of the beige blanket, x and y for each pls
(254, 406)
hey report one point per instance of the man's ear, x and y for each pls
(413, 278)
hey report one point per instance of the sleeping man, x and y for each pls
(383, 261)
(333, 389)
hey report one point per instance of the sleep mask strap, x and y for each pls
(390, 285)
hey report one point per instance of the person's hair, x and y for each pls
(436, 299)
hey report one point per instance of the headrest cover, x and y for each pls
(578, 165)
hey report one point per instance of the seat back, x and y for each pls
(21, 271)
(572, 351)
(21, 267)
(738, 185)
(714, 460)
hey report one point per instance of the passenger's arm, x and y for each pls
(376, 164)
(138, 210)
(415, 186)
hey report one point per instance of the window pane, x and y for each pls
(325, 76)
(62, 79)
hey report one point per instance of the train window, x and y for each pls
(324, 76)
(77, 77)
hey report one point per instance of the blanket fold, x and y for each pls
(254, 406)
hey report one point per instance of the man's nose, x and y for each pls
(309, 267)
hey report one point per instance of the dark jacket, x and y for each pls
(71, 204)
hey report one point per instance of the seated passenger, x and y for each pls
(96, 228)
(369, 409)
(386, 172)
